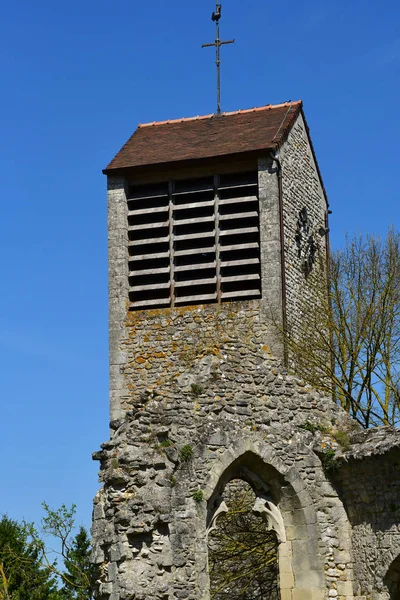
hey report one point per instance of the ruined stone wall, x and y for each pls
(369, 483)
(302, 189)
(203, 378)
(192, 392)
(198, 396)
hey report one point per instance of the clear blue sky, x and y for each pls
(77, 77)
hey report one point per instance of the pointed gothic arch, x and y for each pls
(243, 546)
(282, 498)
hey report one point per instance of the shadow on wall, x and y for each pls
(392, 581)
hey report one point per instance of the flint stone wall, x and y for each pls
(302, 188)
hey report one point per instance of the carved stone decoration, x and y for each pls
(305, 242)
(222, 509)
(272, 515)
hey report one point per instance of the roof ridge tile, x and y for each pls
(224, 114)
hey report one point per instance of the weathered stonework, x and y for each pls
(200, 395)
(368, 481)
(241, 415)
(302, 188)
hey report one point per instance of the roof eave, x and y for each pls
(281, 134)
(190, 161)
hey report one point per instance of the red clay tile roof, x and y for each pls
(209, 136)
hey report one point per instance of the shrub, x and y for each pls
(313, 427)
(186, 453)
(196, 389)
(329, 464)
(165, 444)
(198, 496)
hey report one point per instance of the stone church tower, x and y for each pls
(216, 226)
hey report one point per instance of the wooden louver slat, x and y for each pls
(153, 302)
(241, 200)
(240, 293)
(163, 264)
(189, 205)
(146, 211)
(196, 298)
(148, 241)
(192, 267)
(249, 277)
(156, 225)
(141, 257)
(195, 282)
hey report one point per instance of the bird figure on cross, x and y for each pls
(217, 14)
(217, 44)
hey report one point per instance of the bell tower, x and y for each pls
(215, 225)
(205, 213)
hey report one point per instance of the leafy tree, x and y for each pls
(22, 574)
(27, 570)
(349, 343)
(79, 576)
(243, 555)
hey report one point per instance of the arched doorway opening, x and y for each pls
(286, 508)
(242, 550)
(392, 579)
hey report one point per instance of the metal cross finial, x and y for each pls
(216, 17)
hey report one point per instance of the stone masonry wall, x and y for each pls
(122, 322)
(369, 483)
(163, 344)
(301, 189)
(204, 377)
(199, 396)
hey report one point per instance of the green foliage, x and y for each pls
(80, 575)
(26, 570)
(342, 436)
(165, 443)
(24, 576)
(173, 481)
(198, 496)
(161, 446)
(313, 427)
(329, 464)
(196, 389)
(186, 453)
(343, 439)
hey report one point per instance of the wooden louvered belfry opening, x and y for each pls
(194, 241)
